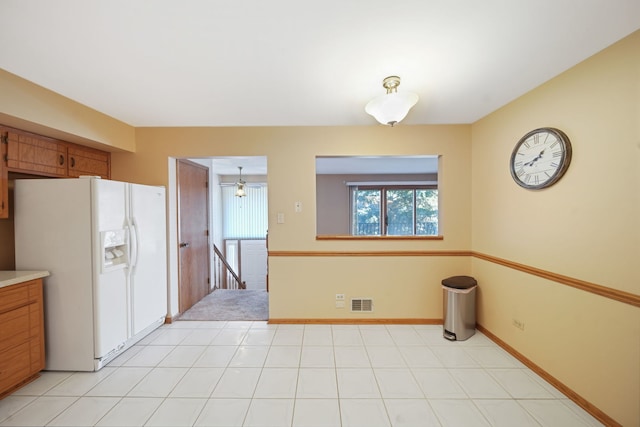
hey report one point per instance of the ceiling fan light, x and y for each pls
(240, 192)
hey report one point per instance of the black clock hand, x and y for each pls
(535, 160)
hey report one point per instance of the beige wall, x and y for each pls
(30, 107)
(291, 156)
(585, 227)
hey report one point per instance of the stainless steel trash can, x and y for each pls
(459, 307)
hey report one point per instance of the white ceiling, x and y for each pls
(300, 63)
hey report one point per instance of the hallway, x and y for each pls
(230, 304)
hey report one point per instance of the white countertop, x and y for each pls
(8, 278)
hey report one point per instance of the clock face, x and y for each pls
(540, 158)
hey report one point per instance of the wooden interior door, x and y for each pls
(193, 233)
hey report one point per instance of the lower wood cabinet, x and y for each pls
(21, 334)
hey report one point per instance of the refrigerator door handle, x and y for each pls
(133, 232)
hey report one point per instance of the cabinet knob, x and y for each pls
(184, 244)
(73, 162)
(61, 160)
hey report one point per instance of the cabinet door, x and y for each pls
(87, 161)
(35, 154)
(4, 180)
(21, 333)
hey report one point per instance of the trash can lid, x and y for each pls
(460, 282)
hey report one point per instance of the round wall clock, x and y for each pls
(540, 158)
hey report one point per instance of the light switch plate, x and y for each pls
(280, 218)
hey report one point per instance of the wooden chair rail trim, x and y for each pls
(611, 293)
(365, 253)
(579, 400)
(614, 294)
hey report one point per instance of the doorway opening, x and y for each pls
(238, 286)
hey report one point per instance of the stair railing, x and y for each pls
(224, 275)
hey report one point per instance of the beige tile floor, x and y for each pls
(253, 374)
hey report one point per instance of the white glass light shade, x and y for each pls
(391, 108)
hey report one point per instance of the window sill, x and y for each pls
(347, 237)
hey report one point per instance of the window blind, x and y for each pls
(244, 217)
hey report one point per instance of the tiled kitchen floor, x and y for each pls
(254, 374)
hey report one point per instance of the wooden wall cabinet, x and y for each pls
(39, 155)
(88, 161)
(21, 334)
(33, 154)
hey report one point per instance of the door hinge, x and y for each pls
(208, 280)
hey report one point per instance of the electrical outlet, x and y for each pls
(518, 324)
(339, 304)
(339, 297)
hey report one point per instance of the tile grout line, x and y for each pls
(481, 360)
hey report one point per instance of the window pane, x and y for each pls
(366, 215)
(400, 212)
(427, 212)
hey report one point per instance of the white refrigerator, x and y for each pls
(104, 244)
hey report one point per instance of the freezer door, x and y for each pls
(52, 232)
(111, 294)
(149, 255)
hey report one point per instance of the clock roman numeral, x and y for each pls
(518, 164)
(557, 154)
(554, 165)
(520, 172)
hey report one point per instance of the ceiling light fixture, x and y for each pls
(391, 108)
(240, 192)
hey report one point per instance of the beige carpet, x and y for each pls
(230, 304)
